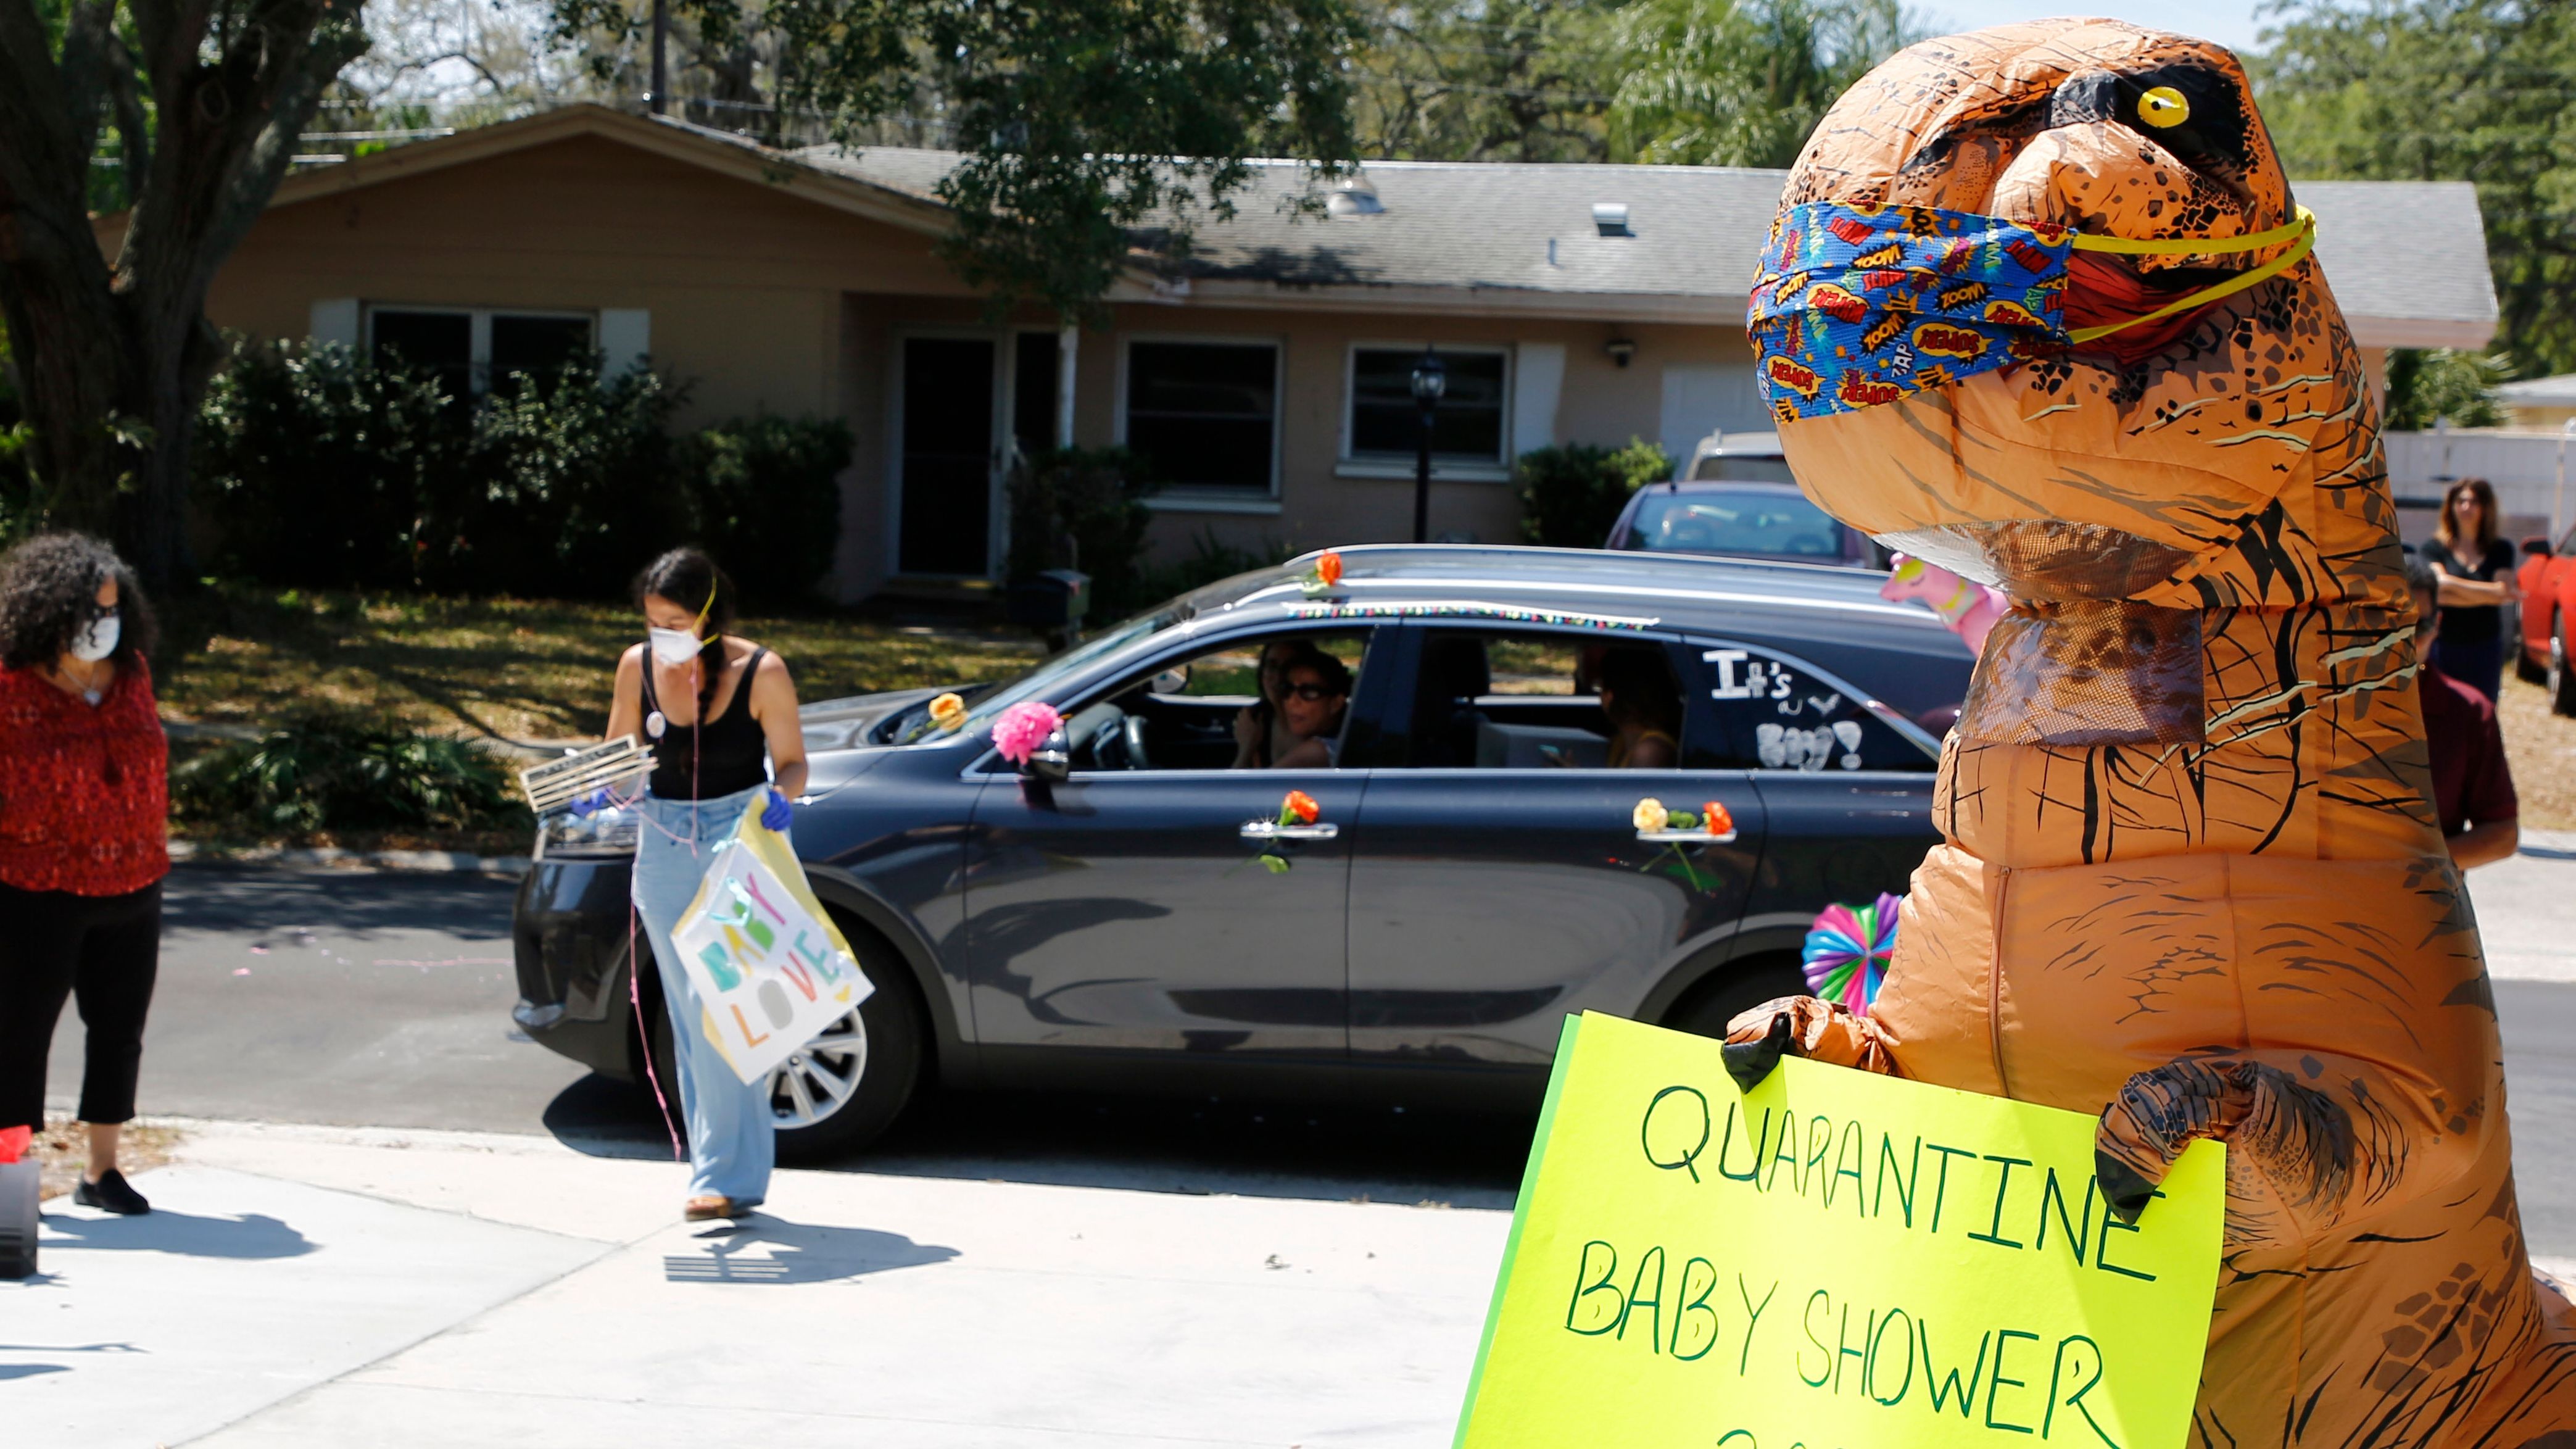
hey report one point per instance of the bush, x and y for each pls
(1572, 494)
(1208, 562)
(1083, 508)
(332, 770)
(765, 498)
(321, 469)
(2425, 385)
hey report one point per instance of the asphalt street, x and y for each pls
(356, 999)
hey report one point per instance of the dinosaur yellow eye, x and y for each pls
(2163, 106)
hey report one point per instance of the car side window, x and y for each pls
(1771, 712)
(1268, 701)
(1528, 699)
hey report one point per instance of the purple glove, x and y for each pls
(777, 813)
(593, 803)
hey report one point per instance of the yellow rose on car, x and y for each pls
(1651, 814)
(948, 711)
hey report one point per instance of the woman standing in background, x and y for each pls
(2477, 580)
(84, 806)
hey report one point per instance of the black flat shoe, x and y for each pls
(111, 1193)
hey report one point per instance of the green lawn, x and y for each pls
(509, 669)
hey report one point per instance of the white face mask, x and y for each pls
(672, 646)
(97, 640)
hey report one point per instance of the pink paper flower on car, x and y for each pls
(1023, 727)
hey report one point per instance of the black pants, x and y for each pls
(102, 951)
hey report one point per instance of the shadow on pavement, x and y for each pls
(250, 899)
(1182, 1145)
(797, 1253)
(252, 1235)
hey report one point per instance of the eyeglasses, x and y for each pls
(1312, 692)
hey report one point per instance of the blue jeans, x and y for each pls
(732, 1139)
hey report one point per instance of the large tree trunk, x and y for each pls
(113, 357)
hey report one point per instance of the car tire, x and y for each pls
(891, 1042)
(1733, 990)
(2560, 679)
(2526, 668)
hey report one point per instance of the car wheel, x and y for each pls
(850, 1083)
(1734, 990)
(2526, 668)
(2561, 679)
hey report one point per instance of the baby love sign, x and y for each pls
(771, 971)
(1832, 1261)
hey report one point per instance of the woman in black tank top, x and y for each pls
(719, 715)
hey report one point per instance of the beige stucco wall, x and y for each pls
(743, 281)
(1319, 502)
(764, 300)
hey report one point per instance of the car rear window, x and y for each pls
(1779, 524)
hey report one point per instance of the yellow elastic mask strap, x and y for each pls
(707, 608)
(2301, 234)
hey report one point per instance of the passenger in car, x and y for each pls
(1261, 728)
(1317, 693)
(1645, 710)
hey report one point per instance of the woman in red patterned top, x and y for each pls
(84, 795)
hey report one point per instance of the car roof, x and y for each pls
(1674, 590)
(1723, 485)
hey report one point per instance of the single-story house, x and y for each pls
(1571, 303)
(2540, 403)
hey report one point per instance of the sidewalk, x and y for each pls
(2523, 909)
(300, 1286)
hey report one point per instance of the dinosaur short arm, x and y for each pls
(1805, 1027)
(2313, 1141)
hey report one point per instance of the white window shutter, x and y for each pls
(335, 319)
(1538, 375)
(625, 340)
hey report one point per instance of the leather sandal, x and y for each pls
(709, 1209)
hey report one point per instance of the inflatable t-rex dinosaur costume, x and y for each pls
(2190, 869)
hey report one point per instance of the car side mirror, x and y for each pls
(1050, 763)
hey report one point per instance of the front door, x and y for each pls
(1500, 883)
(946, 458)
(1128, 909)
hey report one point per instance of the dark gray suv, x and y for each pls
(1137, 916)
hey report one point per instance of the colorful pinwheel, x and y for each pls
(1847, 953)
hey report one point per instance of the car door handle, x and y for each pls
(1685, 837)
(1273, 830)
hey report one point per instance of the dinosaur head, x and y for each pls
(1991, 343)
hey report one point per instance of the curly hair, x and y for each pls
(49, 593)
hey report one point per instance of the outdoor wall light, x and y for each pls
(1430, 381)
(1620, 350)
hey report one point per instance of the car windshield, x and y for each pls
(1744, 468)
(914, 723)
(1778, 524)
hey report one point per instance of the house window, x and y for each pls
(1204, 415)
(1468, 428)
(469, 348)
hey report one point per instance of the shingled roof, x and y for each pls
(2407, 259)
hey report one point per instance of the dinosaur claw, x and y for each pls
(1748, 1062)
(2123, 1187)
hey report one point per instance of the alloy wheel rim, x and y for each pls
(820, 1079)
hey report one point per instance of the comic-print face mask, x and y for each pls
(1855, 306)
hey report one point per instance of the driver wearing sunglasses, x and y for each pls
(1312, 700)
